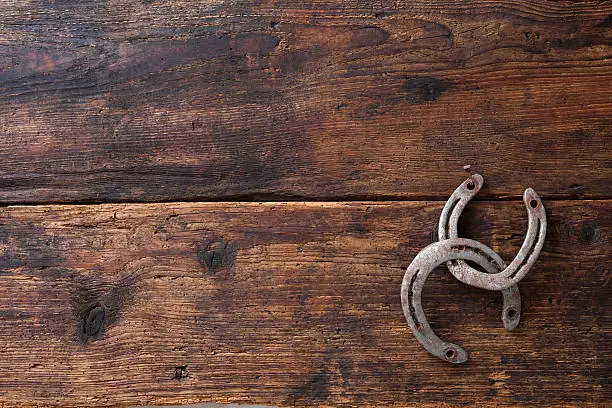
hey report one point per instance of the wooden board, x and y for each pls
(292, 304)
(284, 100)
(297, 303)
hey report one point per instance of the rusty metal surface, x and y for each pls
(447, 228)
(527, 255)
(523, 261)
(455, 251)
(414, 280)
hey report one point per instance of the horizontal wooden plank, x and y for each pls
(291, 304)
(327, 100)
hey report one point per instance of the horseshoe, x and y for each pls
(523, 261)
(447, 228)
(412, 286)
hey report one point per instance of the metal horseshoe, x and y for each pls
(414, 280)
(447, 228)
(527, 255)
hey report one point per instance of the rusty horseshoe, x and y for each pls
(455, 251)
(447, 228)
(412, 286)
(523, 261)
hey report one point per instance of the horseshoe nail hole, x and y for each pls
(470, 185)
(450, 354)
(533, 203)
(511, 313)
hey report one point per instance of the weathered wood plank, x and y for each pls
(187, 100)
(289, 304)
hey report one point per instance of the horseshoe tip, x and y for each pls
(510, 323)
(454, 354)
(531, 199)
(473, 183)
(462, 357)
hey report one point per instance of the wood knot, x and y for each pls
(216, 255)
(588, 233)
(180, 372)
(93, 321)
(424, 89)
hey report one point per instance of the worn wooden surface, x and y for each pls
(292, 304)
(297, 303)
(330, 100)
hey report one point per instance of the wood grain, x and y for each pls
(291, 304)
(126, 100)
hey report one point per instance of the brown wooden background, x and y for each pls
(217, 200)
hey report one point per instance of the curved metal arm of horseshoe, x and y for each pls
(454, 251)
(447, 228)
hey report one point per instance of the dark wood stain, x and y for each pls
(313, 390)
(424, 89)
(588, 233)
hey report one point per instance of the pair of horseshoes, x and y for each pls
(454, 251)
